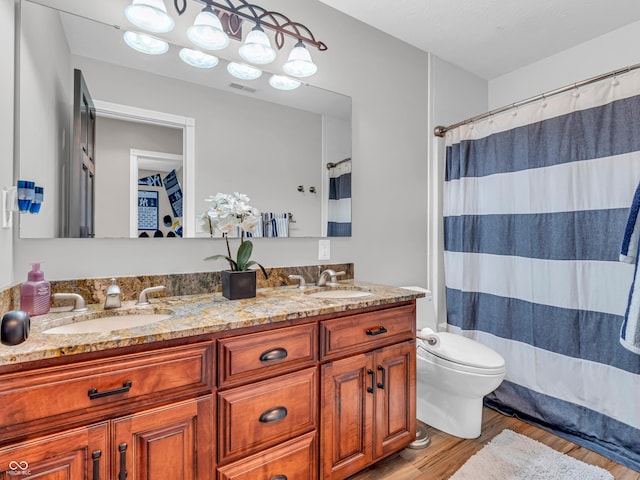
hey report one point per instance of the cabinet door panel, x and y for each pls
(63, 456)
(347, 416)
(173, 442)
(366, 331)
(71, 391)
(266, 413)
(292, 460)
(256, 356)
(395, 397)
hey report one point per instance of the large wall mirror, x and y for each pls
(166, 135)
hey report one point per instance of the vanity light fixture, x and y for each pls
(144, 43)
(150, 15)
(257, 47)
(283, 83)
(206, 31)
(243, 72)
(299, 63)
(198, 59)
(212, 28)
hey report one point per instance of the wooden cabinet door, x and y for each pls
(79, 454)
(346, 435)
(395, 398)
(173, 442)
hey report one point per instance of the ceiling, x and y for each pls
(492, 37)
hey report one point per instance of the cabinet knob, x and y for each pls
(279, 477)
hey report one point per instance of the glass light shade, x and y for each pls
(299, 63)
(283, 83)
(243, 72)
(144, 43)
(257, 48)
(150, 15)
(198, 59)
(206, 31)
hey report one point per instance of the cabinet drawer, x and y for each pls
(100, 385)
(265, 413)
(256, 355)
(364, 331)
(293, 460)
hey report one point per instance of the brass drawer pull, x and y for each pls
(94, 393)
(279, 477)
(274, 354)
(273, 415)
(379, 331)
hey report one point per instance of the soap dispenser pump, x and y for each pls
(35, 293)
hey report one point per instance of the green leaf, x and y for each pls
(264, 272)
(232, 263)
(244, 253)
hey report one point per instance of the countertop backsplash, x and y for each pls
(93, 290)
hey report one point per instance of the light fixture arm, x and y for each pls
(279, 23)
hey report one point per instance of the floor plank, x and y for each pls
(447, 453)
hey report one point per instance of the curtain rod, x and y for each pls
(332, 165)
(440, 130)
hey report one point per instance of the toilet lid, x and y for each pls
(462, 350)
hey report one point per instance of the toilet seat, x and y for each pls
(462, 354)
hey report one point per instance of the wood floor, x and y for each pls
(447, 453)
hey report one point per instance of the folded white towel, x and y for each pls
(630, 330)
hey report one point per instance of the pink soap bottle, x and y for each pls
(35, 294)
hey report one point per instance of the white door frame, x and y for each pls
(151, 117)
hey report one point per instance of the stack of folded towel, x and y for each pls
(630, 331)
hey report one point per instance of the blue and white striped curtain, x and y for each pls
(339, 211)
(535, 207)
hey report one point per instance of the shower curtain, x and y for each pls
(535, 207)
(339, 211)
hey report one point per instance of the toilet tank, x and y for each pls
(425, 311)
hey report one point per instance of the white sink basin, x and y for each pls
(108, 324)
(340, 294)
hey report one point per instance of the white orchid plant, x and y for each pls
(229, 213)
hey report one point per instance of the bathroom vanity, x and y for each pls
(281, 386)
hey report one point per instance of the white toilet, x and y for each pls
(453, 376)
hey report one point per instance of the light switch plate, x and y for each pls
(324, 249)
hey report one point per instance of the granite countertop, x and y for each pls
(190, 316)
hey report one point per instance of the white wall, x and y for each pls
(455, 95)
(6, 131)
(116, 139)
(609, 52)
(389, 187)
(46, 83)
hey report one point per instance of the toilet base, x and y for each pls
(457, 416)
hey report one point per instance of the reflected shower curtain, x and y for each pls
(339, 211)
(535, 207)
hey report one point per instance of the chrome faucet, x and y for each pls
(79, 304)
(142, 299)
(331, 274)
(113, 299)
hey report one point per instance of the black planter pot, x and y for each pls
(237, 285)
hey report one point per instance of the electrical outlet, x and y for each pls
(324, 249)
